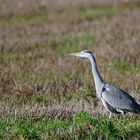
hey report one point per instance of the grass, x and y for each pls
(21, 20)
(46, 94)
(81, 126)
(96, 13)
(124, 67)
(71, 42)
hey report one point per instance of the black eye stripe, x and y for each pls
(87, 51)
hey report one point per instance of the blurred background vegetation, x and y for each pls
(38, 80)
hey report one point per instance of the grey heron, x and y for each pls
(115, 100)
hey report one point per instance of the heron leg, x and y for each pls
(123, 114)
(110, 115)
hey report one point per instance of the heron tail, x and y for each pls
(137, 108)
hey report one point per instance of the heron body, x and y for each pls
(115, 100)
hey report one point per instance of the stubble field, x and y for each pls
(47, 94)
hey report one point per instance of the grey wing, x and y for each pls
(109, 107)
(118, 99)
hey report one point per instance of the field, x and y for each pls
(47, 94)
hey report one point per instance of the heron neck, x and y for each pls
(99, 83)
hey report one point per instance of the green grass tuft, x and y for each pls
(82, 126)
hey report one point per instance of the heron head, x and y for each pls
(83, 54)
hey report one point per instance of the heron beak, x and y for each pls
(75, 54)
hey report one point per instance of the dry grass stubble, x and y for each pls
(38, 79)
